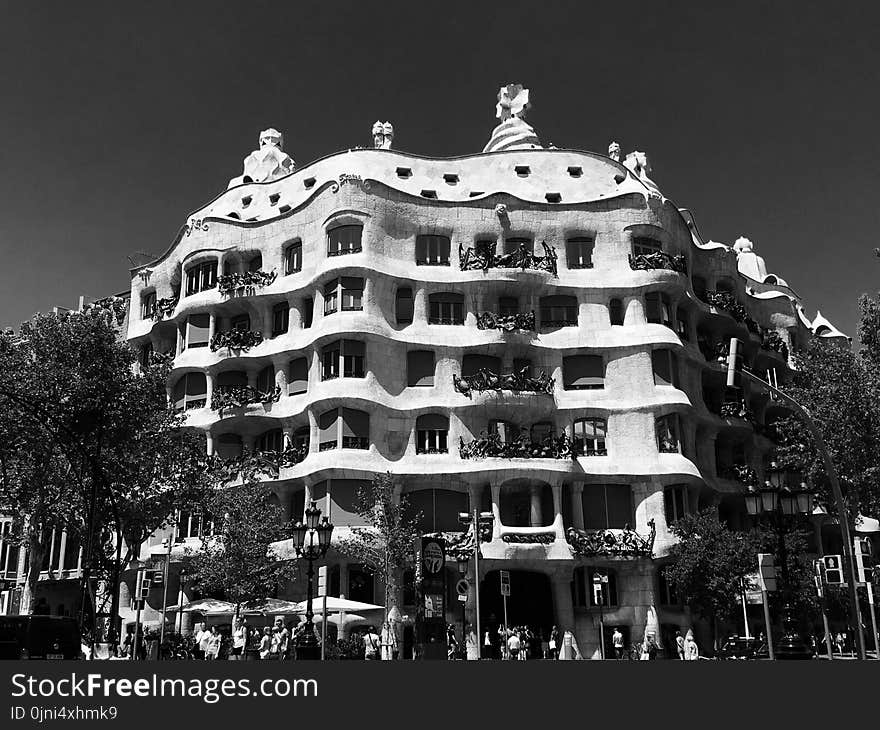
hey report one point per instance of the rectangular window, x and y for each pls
(675, 503)
(583, 372)
(201, 277)
(197, 328)
(559, 311)
(432, 251)
(505, 430)
(645, 246)
(579, 253)
(590, 437)
(353, 359)
(308, 309)
(343, 240)
(446, 309)
(520, 364)
(355, 429)
(148, 305)
(508, 306)
(420, 368)
(668, 439)
(240, 322)
(298, 377)
(665, 365)
(607, 506)
(404, 305)
(681, 324)
(280, 319)
(331, 297)
(293, 258)
(352, 294)
(330, 361)
(513, 245)
(328, 436)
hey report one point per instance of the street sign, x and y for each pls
(833, 567)
(433, 556)
(752, 589)
(864, 559)
(322, 581)
(463, 598)
(766, 572)
(158, 578)
(462, 587)
(505, 582)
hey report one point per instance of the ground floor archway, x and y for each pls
(530, 603)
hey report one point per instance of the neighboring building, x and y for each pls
(530, 331)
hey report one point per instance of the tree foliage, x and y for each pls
(238, 561)
(387, 544)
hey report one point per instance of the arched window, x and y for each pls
(232, 379)
(665, 366)
(590, 437)
(293, 258)
(343, 356)
(559, 310)
(308, 311)
(699, 285)
(146, 355)
(344, 239)
(403, 305)
(301, 437)
(512, 245)
(505, 430)
(280, 319)
(446, 308)
(657, 308)
(508, 306)
(190, 391)
(432, 250)
(271, 440)
(347, 426)
(675, 502)
(255, 263)
(201, 276)
(615, 311)
(148, 304)
(228, 446)
(432, 432)
(420, 368)
(583, 372)
(298, 376)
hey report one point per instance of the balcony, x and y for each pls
(771, 341)
(727, 302)
(612, 542)
(738, 410)
(244, 284)
(522, 447)
(164, 308)
(520, 382)
(506, 322)
(355, 442)
(231, 397)
(742, 473)
(236, 339)
(658, 260)
(249, 467)
(484, 257)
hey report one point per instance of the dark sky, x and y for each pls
(118, 119)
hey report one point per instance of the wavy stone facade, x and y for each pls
(634, 429)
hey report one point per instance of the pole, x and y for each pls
(477, 577)
(766, 602)
(601, 626)
(842, 513)
(825, 625)
(745, 611)
(873, 616)
(139, 579)
(324, 623)
(506, 627)
(164, 598)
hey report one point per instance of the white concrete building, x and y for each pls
(369, 301)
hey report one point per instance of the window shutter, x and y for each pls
(298, 381)
(619, 498)
(404, 303)
(327, 427)
(662, 370)
(266, 379)
(652, 307)
(197, 330)
(420, 368)
(432, 422)
(583, 372)
(178, 398)
(355, 423)
(595, 517)
(354, 347)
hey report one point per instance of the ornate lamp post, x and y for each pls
(781, 505)
(311, 542)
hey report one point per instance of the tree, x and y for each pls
(88, 443)
(387, 545)
(709, 564)
(238, 561)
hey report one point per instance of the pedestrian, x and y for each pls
(451, 642)
(554, 643)
(212, 649)
(569, 649)
(488, 652)
(679, 645)
(691, 650)
(239, 638)
(617, 643)
(203, 639)
(371, 644)
(280, 640)
(266, 643)
(545, 645)
(128, 643)
(471, 646)
(513, 644)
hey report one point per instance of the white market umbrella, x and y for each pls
(209, 605)
(336, 605)
(269, 606)
(340, 619)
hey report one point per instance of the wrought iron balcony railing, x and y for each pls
(522, 447)
(529, 538)
(261, 464)
(238, 396)
(624, 542)
(770, 340)
(737, 409)
(506, 322)
(355, 442)
(236, 339)
(520, 382)
(658, 260)
(742, 473)
(729, 303)
(483, 256)
(245, 283)
(164, 308)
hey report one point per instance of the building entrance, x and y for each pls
(530, 602)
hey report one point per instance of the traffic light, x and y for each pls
(734, 361)
(766, 572)
(833, 566)
(864, 559)
(145, 578)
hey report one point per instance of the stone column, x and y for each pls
(209, 443)
(420, 305)
(212, 325)
(563, 608)
(536, 519)
(496, 511)
(577, 504)
(209, 389)
(634, 311)
(558, 524)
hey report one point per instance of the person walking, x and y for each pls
(679, 645)
(617, 643)
(239, 638)
(513, 645)
(488, 652)
(212, 648)
(266, 643)
(280, 639)
(691, 650)
(569, 649)
(204, 638)
(371, 644)
(554, 643)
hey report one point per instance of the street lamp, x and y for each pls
(311, 542)
(778, 502)
(477, 520)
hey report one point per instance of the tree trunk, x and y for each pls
(36, 551)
